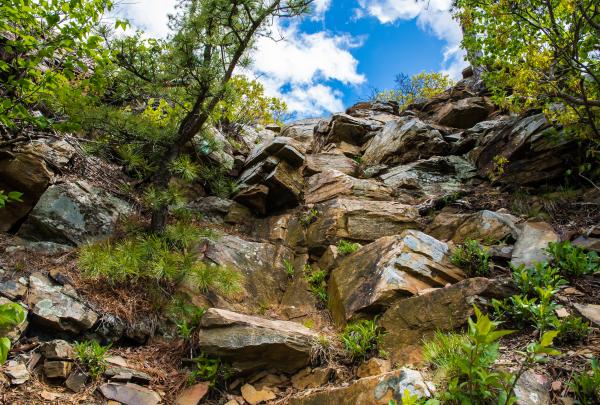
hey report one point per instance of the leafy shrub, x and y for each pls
(208, 369)
(12, 196)
(539, 311)
(346, 248)
(11, 315)
(542, 275)
(316, 282)
(309, 217)
(288, 267)
(92, 356)
(472, 258)
(185, 315)
(161, 259)
(572, 260)
(361, 338)
(572, 329)
(586, 385)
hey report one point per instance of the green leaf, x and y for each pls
(548, 338)
(4, 349)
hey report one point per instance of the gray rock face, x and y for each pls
(252, 343)
(73, 213)
(331, 183)
(389, 269)
(337, 161)
(130, 394)
(434, 178)
(302, 130)
(51, 307)
(533, 240)
(487, 226)
(405, 141)
(360, 220)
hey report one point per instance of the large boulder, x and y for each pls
(261, 264)
(533, 153)
(486, 226)
(302, 131)
(58, 307)
(432, 179)
(73, 213)
(332, 183)
(252, 343)
(387, 270)
(405, 141)
(408, 322)
(463, 113)
(319, 162)
(360, 220)
(532, 243)
(377, 390)
(344, 128)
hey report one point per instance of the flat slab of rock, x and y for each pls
(410, 321)
(337, 161)
(73, 213)
(193, 395)
(487, 226)
(330, 184)
(387, 270)
(130, 394)
(51, 307)
(255, 397)
(591, 312)
(377, 390)
(360, 220)
(252, 343)
(532, 242)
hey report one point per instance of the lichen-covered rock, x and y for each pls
(52, 308)
(432, 179)
(408, 322)
(387, 270)
(532, 243)
(129, 394)
(360, 220)
(349, 129)
(253, 343)
(330, 184)
(377, 390)
(405, 141)
(487, 226)
(301, 131)
(328, 160)
(73, 213)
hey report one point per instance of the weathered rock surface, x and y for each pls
(409, 322)
(337, 161)
(532, 389)
(57, 369)
(311, 377)
(253, 343)
(301, 131)
(57, 350)
(193, 395)
(487, 226)
(348, 129)
(463, 113)
(76, 381)
(389, 269)
(373, 366)
(51, 307)
(405, 141)
(590, 312)
(73, 213)
(360, 220)
(254, 396)
(378, 390)
(532, 242)
(330, 184)
(129, 394)
(430, 179)
(261, 264)
(17, 372)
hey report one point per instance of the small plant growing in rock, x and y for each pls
(572, 329)
(289, 268)
(497, 171)
(472, 258)
(309, 217)
(443, 351)
(11, 315)
(572, 260)
(542, 275)
(316, 282)
(211, 370)
(346, 248)
(361, 338)
(92, 357)
(12, 196)
(185, 315)
(586, 385)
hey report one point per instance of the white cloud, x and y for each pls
(151, 16)
(434, 16)
(320, 7)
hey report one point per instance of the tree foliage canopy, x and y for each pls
(410, 88)
(539, 54)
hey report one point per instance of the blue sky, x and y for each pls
(334, 57)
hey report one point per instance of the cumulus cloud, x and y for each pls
(320, 7)
(151, 16)
(432, 16)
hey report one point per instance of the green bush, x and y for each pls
(572, 260)
(362, 338)
(572, 329)
(160, 259)
(11, 315)
(185, 315)
(211, 370)
(542, 275)
(316, 282)
(472, 258)
(346, 248)
(92, 357)
(539, 311)
(586, 385)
